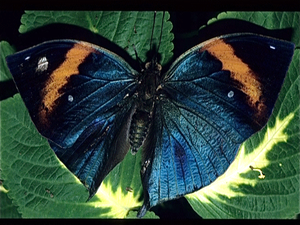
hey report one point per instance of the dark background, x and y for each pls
(185, 28)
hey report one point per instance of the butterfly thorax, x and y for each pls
(145, 99)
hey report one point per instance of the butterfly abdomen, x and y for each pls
(145, 98)
(138, 130)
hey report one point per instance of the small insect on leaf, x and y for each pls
(129, 189)
(49, 192)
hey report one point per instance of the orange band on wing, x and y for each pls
(59, 77)
(239, 71)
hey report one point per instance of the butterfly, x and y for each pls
(93, 107)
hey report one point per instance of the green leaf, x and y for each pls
(5, 50)
(37, 182)
(148, 215)
(42, 186)
(269, 20)
(239, 192)
(7, 208)
(123, 28)
(122, 189)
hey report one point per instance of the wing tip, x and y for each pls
(143, 210)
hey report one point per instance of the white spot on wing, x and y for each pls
(144, 167)
(27, 58)
(272, 47)
(42, 64)
(230, 94)
(70, 98)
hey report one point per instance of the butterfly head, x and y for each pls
(154, 67)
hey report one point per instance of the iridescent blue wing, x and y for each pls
(74, 92)
(215, 96)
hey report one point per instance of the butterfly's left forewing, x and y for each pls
(214, 97)
(75, 94)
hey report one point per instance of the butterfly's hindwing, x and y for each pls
(99, 148)
(189, 153)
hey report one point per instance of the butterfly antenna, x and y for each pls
(161, 31)
(137, 57)
(139, 61)
(152, 30)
